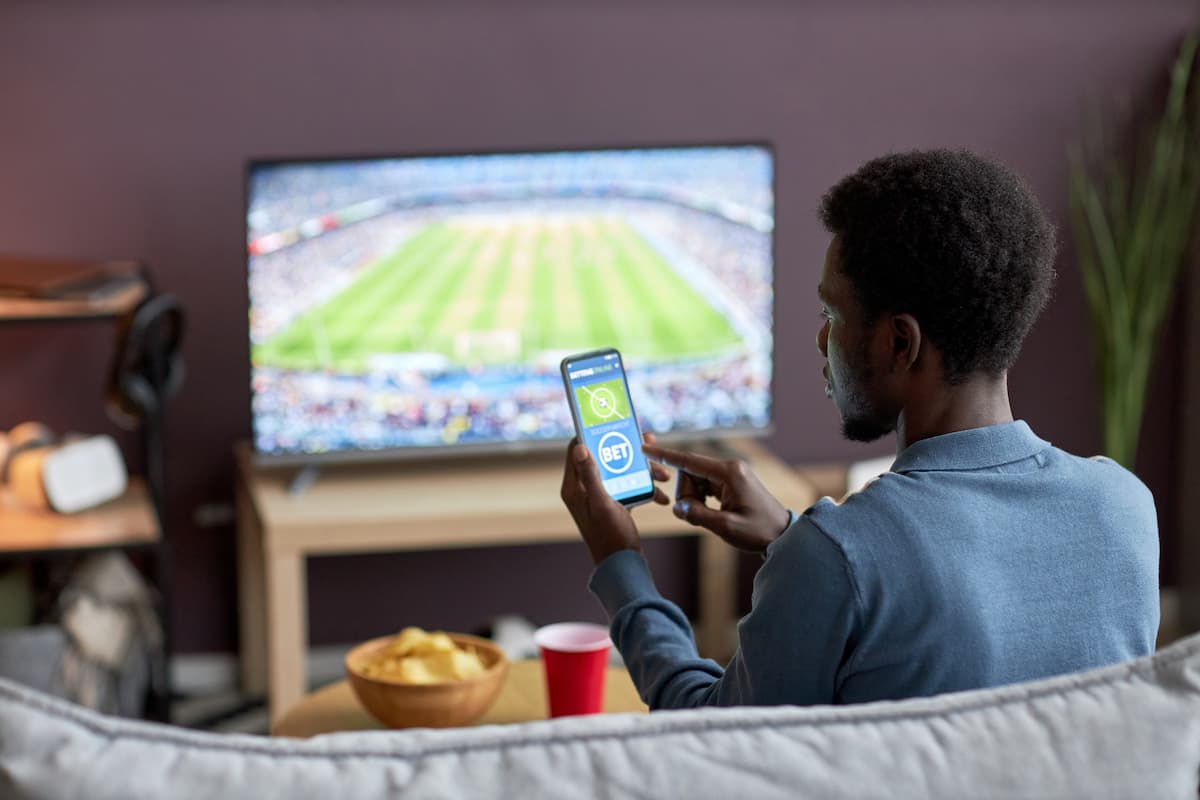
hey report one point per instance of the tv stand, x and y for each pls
(379, 507)
(720, 448)
(303, 479)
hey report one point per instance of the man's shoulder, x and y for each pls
(1111, 470)
(896, 498)
(882, 498)
(1104, 477)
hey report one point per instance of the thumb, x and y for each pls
(585, 468)
(702, 516)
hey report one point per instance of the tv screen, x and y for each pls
(415, 304)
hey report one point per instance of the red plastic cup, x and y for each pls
(575, 658)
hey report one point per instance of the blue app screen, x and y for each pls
(607, 424)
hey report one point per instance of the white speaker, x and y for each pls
(68, 476)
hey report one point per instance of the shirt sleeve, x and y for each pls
(791, 646)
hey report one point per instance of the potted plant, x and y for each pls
(1133, 216)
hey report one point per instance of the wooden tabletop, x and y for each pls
(453, 504)
(522, 699)
(121, 301)
(126, 521)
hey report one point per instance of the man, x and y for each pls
(984, 556)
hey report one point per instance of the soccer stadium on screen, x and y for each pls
(426, 302)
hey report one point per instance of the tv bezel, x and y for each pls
(417, 453)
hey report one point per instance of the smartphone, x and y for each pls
(605, 421)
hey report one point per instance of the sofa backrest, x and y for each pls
(1132, 730)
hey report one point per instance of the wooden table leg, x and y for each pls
(287, 634)
(252, 612)
(717, 605)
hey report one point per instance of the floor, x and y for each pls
(223, 712)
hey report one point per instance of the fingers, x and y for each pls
(657, 471)
(581, 477)
(569, 466)
(702, 516)
(704, 466)
(587, 471)
(689, 486)
(571, 487)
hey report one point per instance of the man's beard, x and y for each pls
(865, 429)
(860, 425)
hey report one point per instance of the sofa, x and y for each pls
(1126, 731)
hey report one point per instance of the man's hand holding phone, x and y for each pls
(606, 525)
(749, 518)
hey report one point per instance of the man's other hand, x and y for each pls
(749, 518)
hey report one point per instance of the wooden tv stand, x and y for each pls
(431, 506)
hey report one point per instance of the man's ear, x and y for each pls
(906, 341)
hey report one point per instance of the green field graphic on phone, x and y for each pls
(602, 402)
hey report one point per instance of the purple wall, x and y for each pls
(124, 128)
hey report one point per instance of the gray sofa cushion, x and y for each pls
(1131, 730)
(31, 656)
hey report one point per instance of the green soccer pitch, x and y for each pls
(504, 290)
(602, 402)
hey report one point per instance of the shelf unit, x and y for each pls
(126, 522)
(136, 521)
(121, 301)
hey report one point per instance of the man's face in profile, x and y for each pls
(845, 340)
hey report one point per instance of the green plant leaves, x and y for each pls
(1133, 219)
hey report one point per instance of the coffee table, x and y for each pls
(522, 699)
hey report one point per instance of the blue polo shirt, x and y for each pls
(983, 557)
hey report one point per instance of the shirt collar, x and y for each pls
(975, 448)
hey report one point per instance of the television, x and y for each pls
(419, 305)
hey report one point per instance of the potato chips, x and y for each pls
(416, 656)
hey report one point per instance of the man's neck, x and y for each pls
(977, 402)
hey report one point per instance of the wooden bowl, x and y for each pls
(428, 705)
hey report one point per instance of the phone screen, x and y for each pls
(606, 423)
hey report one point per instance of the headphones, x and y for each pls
(148, 367)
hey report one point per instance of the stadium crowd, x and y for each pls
(286, 194)
(318, 412)
(738, 257)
